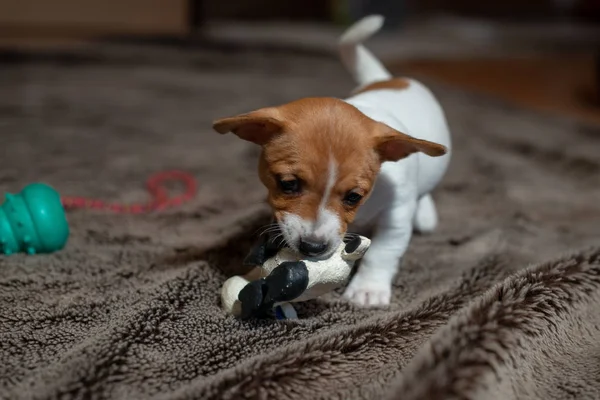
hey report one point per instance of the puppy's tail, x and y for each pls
(360, 62)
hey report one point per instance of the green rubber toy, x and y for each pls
(33, 221)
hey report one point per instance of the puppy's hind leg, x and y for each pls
(426, 218)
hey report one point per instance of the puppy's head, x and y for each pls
(320, 159)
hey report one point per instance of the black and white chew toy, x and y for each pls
(281, 276)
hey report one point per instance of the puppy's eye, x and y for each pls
(352, 198)
(289, 186)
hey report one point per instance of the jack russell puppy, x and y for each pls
(367, 162)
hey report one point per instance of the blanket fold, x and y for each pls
(501, 302)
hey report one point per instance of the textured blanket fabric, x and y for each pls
(501, 302)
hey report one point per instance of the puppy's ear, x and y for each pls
(393, 145)
(257, 127)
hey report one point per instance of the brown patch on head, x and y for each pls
(394, 83)
(329, 146)
(326, 136)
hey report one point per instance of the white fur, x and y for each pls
(331, 178)
(363, 66)
(400, 201)
(327, 228)
(327, 225)
(426, 215)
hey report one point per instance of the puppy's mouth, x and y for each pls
(315, 240)
(308, 246)
(316, 249)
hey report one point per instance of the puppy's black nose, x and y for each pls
(311, 249)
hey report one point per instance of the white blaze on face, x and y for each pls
(327, 225)
(325, 228)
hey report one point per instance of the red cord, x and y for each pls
(160, 198)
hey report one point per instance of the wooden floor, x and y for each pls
(563, 84)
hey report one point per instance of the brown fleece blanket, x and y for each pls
(501, 302)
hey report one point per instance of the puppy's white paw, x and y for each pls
(425, 219)
(367, 293)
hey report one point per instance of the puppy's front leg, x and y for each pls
(372, 283)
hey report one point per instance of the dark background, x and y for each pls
(563, 79)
